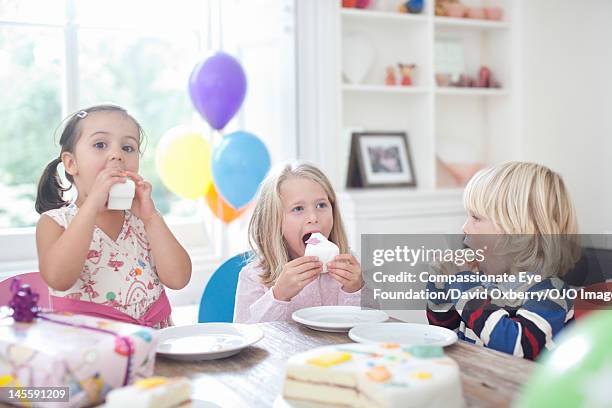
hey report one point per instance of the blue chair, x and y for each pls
(217, 303)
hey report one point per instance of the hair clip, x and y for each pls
(81, 114)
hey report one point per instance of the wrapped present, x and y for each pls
(89, 355)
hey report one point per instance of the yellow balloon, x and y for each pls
(183, 162)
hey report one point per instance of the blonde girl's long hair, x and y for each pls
(269, 248)
(531, 202)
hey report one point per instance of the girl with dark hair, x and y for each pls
(95, 260)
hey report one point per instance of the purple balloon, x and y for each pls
(217, 86)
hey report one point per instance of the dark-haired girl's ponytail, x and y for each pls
(50, 189)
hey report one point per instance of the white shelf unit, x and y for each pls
(365, 15)
(478, 121)
(385, 89)
(471, 91)
(469, 23)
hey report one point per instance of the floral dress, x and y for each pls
(120, 273)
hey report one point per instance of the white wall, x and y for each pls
(567, 99)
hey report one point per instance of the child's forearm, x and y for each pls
(63, 262)
(171, 260)
(255, 306)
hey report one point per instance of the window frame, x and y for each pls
(18, 245)
(18, 254)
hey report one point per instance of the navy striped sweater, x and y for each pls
(521, 327)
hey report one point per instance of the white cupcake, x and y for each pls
(121, 195)
(319, 246)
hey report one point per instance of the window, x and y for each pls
(30, 105)
(59, 55)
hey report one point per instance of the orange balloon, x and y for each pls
(220, 208)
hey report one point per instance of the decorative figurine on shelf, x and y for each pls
(390, 78)
(442, 8)
(467, 81)
(362, 4)
(443, 79)
(484, 77)
(411, 6)
(475, 13)
(406, 73)
(494, 13)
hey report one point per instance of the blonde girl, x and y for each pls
(294, 201)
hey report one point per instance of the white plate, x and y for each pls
(206, 341)
(281, 402)
(195, 403)
(337, 318)
(413, 334)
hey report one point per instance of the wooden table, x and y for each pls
(254, 377)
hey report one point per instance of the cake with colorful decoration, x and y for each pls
(152, 392)
(374, 375)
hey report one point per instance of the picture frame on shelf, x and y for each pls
(380, 159)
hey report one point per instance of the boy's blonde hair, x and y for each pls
(265, 228)
(531, 201)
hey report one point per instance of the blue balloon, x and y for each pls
(239, 164)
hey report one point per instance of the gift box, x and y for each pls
(89, 355)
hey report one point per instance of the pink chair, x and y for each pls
(33, 279)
